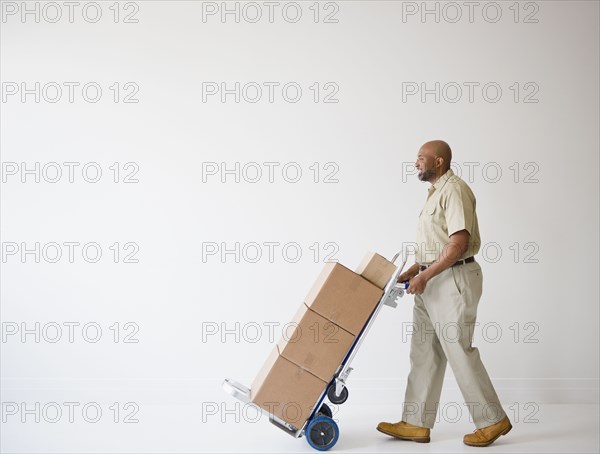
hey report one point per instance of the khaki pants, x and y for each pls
(444, 320)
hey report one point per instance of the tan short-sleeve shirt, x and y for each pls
(450, 207)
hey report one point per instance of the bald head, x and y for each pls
(439, 149)
(433, 160)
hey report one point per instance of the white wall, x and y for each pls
(174, 295)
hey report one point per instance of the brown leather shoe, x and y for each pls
(487, 435)
(405, 431)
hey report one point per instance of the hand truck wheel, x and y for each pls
(335, 399)
(322, 433)
(325, 411)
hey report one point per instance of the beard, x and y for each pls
(426, 175)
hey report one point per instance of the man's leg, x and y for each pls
(428, 364)
(452, 305)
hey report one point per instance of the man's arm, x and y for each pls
(459, 242)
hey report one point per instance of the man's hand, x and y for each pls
(409, 273)
(457, 246)
(417, 284)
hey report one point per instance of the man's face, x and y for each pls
(425, 165)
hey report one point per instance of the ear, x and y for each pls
(439, 161)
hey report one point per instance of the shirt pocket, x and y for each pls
(428, 216)
(429, 210)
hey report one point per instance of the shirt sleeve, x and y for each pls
(460, 210)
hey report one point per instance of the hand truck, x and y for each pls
(320, 429)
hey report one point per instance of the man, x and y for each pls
(447, 284)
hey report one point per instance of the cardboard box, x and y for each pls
(343, 297)
(286, 390)
(376, 269)
(302, 364)
(315, 343)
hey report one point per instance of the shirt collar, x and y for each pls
(439, 184)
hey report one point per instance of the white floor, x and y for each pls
(180, 428)
(552, 429)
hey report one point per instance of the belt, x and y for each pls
(460, 262)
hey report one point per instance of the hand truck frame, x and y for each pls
(320, 429)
